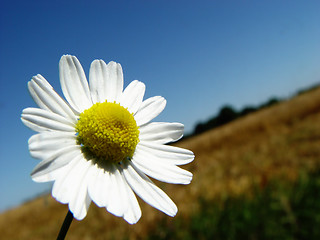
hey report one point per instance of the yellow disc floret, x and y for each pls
(107, 132)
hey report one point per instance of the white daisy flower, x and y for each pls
(100, 145)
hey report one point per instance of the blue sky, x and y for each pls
(199, 55)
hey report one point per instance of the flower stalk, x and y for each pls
(65, 226)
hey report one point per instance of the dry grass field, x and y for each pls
(280, 142)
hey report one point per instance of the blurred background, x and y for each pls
(241, 75)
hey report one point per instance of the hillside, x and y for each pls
(280, 143)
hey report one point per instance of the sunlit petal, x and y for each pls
(74, 83)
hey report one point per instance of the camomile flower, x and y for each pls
(100, 144)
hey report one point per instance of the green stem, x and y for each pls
(65, 226)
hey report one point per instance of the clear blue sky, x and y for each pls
(199, 55)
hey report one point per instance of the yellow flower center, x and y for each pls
(107, 132)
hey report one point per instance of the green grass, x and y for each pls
(281, 210)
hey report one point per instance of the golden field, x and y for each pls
(278, 142)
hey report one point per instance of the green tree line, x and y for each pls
(227, 114)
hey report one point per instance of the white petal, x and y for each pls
(132, 96)
(133, 213)
(79, 202)
(146, 189)
(45, 96)
(52, 175)
(72, 187)
(85, 207)
(97, 80)
(149, 109)
(106, 81)
(161, 170)
(165, 153)
(43, 145)
(115, 81)
(117, 204)
(41, 120)
(59, 159)
(102, 193)
(99, 186)
(74, 83)
(61, 187)
(161, 132)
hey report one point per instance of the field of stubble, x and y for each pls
(255, 178)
